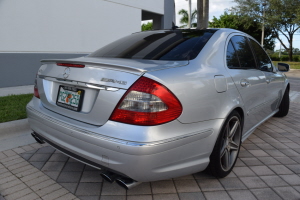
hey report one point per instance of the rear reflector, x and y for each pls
(70, 65)
(35, 88)
(147, 103)
(36, 92)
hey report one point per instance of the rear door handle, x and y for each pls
(245, 83)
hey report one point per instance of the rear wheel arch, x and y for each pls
(215, 166)
(241, 112)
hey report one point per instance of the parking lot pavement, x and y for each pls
(268, 167)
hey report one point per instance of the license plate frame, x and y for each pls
(70, 98)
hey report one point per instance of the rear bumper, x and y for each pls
(154, 158)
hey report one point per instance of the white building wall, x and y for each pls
(32, 30)
(155, 6)
(64, 25)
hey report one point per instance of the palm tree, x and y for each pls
(184, 19)
(202, 19)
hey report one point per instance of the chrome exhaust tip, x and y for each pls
(34, 135)
(109, 176)
(127, 183)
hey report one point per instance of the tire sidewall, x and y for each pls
(215, 161)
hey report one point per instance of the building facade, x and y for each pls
(32, 30)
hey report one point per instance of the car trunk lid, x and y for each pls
(90, 93)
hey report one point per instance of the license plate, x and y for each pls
(70, 98)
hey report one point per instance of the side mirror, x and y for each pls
(283, 67)
(267, 68)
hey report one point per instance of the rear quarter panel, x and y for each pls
(194, 84)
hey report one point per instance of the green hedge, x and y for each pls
(296, 58)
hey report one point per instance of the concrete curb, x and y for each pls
(26, 89)
(13, 127)
(14, 134)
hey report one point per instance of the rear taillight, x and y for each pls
(147, 103)
(35, 88)
(70, 65)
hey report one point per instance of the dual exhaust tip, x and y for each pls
(37, 138)
(124, 182)
(111, 177)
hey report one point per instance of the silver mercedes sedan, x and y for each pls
(159, 104)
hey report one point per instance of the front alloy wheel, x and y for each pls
(227, 147)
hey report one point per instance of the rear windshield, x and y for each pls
(157, 45)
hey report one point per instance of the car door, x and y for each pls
(249, 80)
(274, 81)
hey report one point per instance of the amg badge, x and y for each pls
(114, 81)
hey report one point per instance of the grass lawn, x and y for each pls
(293, 65)
(13, 107)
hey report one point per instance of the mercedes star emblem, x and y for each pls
(66, 73)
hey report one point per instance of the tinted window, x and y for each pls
(244, 52)
(263, 61)
(157, 45)
(231, 57)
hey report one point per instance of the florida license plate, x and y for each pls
(70, 97)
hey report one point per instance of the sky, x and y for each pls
(217, 8)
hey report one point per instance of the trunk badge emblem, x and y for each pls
(113, 81)
(67, 72)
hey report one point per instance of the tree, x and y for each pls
(184, 19)
(296, 51)
(205, 13)
(281, 16)
(200, 19)
(147, 27)
(252, 27)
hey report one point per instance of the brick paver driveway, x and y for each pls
(268, 167)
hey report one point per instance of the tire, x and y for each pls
(284, 105)
(227, 147)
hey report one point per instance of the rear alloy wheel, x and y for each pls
(227, 147)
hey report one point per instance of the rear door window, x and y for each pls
(244, 52)
(231, 57)
(263, 61)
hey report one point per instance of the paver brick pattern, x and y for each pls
(268, 167)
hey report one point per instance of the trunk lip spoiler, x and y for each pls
(115, 66)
